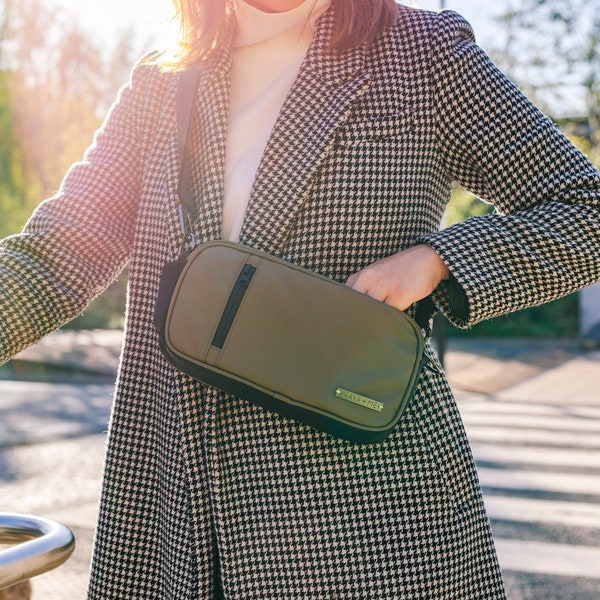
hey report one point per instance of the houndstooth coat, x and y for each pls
(203, 491)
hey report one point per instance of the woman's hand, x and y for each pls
(403, 278)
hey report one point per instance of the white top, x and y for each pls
(268, 50)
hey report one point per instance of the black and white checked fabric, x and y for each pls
(359, 165)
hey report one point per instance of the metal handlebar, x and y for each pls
(40, 545)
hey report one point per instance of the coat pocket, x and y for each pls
(386, 126)
(436, 418)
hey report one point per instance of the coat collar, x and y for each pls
(207, 147)
(319, 101)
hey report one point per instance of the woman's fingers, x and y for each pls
(401, 279)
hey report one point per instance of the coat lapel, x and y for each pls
(319, 101)
(207, 148)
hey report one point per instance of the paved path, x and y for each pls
(539, 466)
(532, 412)
(52, 438)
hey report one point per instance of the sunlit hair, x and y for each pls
(204, 26)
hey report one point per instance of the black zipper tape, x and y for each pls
(233, 304)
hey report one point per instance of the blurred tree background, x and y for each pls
(57, 81)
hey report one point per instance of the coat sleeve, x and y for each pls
(76, 242)
(543, 240)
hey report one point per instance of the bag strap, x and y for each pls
(186, 93)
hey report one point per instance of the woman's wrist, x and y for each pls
(438, 263)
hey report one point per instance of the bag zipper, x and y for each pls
(240, 287)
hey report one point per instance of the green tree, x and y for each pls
(61, 81)
(14, 190)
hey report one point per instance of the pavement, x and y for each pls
(56, 399)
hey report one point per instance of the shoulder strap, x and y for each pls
(186, 93)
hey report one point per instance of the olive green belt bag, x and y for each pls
(289, 340)
(280, 336)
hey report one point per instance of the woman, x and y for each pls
(329, 135)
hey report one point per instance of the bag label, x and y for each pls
(359, 399)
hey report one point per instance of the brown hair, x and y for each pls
(204, 26)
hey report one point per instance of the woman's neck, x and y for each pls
(275, 5)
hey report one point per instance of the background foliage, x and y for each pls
(56, 83)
